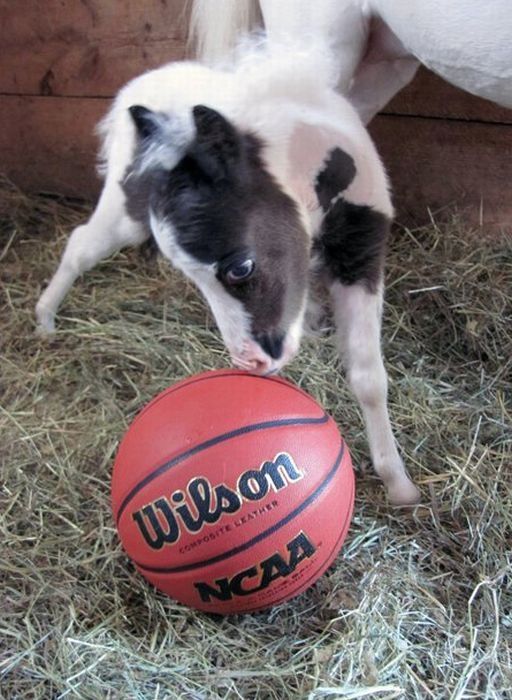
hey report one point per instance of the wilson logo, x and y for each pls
(160, 522)
(257, 578)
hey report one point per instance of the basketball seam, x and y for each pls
(186, 383)
(258, 538)
(211, 442)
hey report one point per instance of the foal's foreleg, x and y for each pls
(109, 229)
(358, 319)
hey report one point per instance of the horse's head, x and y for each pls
(219, 216)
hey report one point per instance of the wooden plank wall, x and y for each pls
(444, 147)
(62, 60)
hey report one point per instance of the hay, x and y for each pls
(419, 603)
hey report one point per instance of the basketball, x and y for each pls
(232, 492)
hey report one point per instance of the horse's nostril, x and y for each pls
(260, 367)
(272, 344)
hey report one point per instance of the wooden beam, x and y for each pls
(88, 48)
(436, 163)
(428, 95)
(50, 145)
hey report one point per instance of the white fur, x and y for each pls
(242, 16)
(358, 319)
(379, 43)
(108, 230)
(166, 151)
(467, 42)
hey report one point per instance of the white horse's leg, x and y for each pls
(386, 68)
(108, 230)
(339, 25)
(358, 315)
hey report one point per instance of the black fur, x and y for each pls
(137, 189)
(218, 148)
(352, 240)
(336, 176)
(144, 120)
(352, 244)
(272, 344)
(222, 203)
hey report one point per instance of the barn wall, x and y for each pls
(62, 60)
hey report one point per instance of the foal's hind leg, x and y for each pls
(358, 316)
(109, 229)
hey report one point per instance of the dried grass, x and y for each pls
(419, 603)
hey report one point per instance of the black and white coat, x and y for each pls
(241, 176)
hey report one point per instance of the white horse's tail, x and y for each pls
(215, 26)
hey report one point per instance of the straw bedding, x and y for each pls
(418, 605)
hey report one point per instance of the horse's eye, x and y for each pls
(239, 272)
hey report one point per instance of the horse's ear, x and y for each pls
(163, 138)
(218, 146)
(147, 123)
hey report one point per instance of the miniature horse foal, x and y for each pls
(241, 176)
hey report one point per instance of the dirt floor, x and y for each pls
(418, 604)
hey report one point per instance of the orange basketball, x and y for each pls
(232, 492)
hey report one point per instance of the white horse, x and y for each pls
(379, 44)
